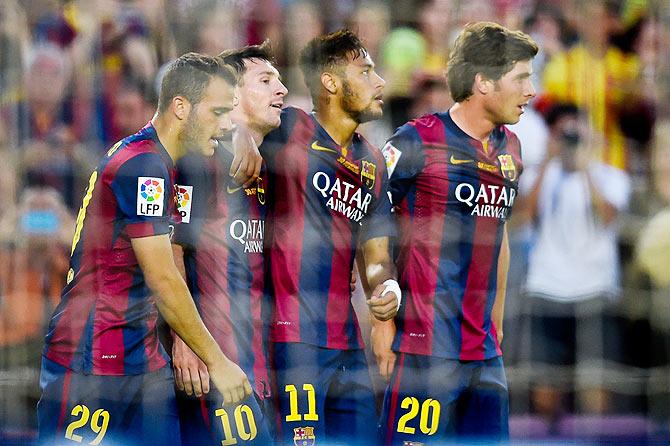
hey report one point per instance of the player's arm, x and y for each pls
(190, 373)
(380, 277)
(375, 268)
(247, 160)
(501, 290)
(174, 301)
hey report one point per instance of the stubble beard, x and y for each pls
(360, 116)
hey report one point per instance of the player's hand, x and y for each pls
(383, 306)
(247, 160)
(231, 381)
(381, 338)
(190, 373)
(352, 282)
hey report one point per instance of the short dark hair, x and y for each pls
(559, 110)
(236, 57)
(328, 52)
(486, 48)
(189, 76)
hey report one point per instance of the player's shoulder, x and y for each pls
(509, 138)
(136, 155)
(291, 119)
(290, 116)
(427, 129)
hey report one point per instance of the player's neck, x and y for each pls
(168, 136)
(471, 118)
(338, 124)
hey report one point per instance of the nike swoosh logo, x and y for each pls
(315, 146)
(457, 161)
(232, 190)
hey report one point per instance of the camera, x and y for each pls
(570, 138)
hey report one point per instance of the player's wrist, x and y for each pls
(393, 286)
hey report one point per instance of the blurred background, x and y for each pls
(587, 330)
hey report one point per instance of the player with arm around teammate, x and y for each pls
(105, 378)
(328, 196)
(220, 246)
(453, 179)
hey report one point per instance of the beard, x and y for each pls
(349, 99)
(188, 136)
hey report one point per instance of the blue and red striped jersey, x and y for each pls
(452, 197)
(324, 201)
(105, 323)
(222, 237)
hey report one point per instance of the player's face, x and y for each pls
(209, 119)
(362, 90)
(511, 94)
(261, 96)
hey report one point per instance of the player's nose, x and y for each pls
(281, 90)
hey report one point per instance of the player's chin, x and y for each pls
(372, 113)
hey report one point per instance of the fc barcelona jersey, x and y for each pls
(324, 201)
(221, 232)
(452, 195)
(105, 323)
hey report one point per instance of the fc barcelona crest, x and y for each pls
(304, 436)
(260, 191)
(507, 167)
(368, 171)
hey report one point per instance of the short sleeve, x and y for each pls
(403, 153)
(195, 186)
(277, 138)
(380, 221)
(614, 184)
(144, 195)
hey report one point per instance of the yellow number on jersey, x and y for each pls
(82, 211)
(295, 415)
(429, 420)
(241, 413)
(99, 423)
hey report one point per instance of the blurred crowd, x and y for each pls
(589, 290)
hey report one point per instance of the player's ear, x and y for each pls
(482, 84)
(329, 82)
(236, 96)
(181, 107)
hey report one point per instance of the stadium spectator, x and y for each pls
(573, 272)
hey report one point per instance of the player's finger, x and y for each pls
(204, 379)
(235, 165)
(227, 398)
(178, 379)
(242, 175)
(188, 387)
(253, 170)
(197, 387)
(239, 395)
(247, 388)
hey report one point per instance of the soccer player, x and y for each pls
(453, 179)
(105, 377)
(220, 243)
(327, 197)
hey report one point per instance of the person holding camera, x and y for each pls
(573, 276)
